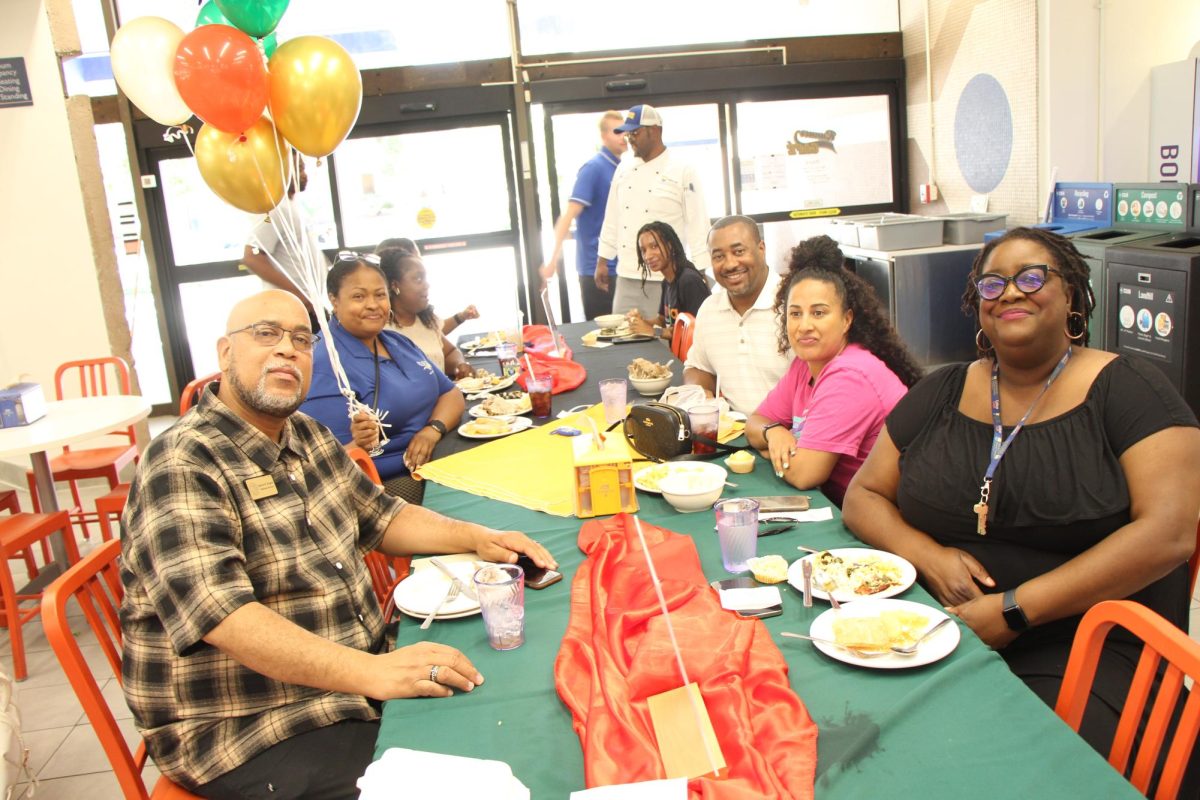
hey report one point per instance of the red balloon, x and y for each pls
(221, 75)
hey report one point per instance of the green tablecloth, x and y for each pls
(961, 727)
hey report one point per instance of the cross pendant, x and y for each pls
(981, 512)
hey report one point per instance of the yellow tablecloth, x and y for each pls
(532, 469)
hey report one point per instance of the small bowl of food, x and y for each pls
(610, 322)
(693, 489)
(741, 462)
(650, 379)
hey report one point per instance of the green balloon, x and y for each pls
(211, 15)
(256, 17)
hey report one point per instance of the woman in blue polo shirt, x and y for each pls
(386, 371)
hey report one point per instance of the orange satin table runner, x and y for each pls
(616, 653)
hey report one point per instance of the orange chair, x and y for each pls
(10, 503)
(18, 534)
(191, 393)
(682, 334)
(96, 585)
(385, 574)
(96, 377)
(1162, 640)
(112, 504)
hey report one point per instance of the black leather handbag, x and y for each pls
(661, 432)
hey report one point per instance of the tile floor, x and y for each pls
(65, 754)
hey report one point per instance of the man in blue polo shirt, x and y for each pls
(586, 207)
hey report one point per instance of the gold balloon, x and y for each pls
(249, 171)
(316, 93)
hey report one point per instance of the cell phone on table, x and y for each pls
(537, 577)
(782, 502)
(745, 582)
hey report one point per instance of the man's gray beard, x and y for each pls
(258, 397)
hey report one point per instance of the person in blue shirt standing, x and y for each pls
(586, 208)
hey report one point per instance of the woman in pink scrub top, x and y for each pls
(819, 422)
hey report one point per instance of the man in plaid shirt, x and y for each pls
(255, 655)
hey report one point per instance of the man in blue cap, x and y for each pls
(655, 188)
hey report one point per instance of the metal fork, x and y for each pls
(455, 588)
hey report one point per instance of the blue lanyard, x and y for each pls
(1000, 443)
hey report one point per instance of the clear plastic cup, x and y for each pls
(515, 333)
(705, 421)
(737, 531)
(613, 392)
(501, 589)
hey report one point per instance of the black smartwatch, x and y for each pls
(1014, 617)
(438, 426)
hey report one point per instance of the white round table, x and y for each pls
(67, 422)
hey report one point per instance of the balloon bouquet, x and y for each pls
(258, 114)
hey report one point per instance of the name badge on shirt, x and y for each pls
(262, 486)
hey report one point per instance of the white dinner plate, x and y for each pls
(908, 574)
(516, 425)
(466, 385)
(935, 648)
(488, 342)
(477, 410)
(419, 593)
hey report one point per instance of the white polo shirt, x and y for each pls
(659, 190)
(742, 350)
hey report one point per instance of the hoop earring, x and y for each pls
(980, 346)
(1078, 317)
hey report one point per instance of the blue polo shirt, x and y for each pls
(591, 191)
(409, 388)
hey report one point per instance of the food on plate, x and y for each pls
(488, 426)
(861, 575)
(482, 379)
(487, 340)
(769, 569)
(891, 628)
(644, 369)
(497, 406)
(650, 477)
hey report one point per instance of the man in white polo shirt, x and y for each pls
(655, 187)
(736, 329)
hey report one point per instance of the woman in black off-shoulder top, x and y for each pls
(1095, 498)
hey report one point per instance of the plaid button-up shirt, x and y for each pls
(205, 533)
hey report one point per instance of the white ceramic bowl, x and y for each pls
(610, 321)
(693, 489)
(651, 387)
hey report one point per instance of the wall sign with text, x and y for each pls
(14, 83)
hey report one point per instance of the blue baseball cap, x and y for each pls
(639, 117)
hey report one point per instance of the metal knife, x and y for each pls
(467, 588)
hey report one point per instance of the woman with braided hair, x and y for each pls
(1040, 479)
(819, 422)
(684, 289)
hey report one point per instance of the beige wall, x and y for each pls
(1096, 78)
(50, 302)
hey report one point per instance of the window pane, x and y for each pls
(551, 26)
(819, 153)
(206, 229)
(206, 306)
(141, 313)
(485, 278)
(423, 185)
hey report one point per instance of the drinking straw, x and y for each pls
(662, 603)
(529, 366)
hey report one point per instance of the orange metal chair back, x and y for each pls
(682, 334)
(191, 393)
(95, 377)
(1162, 641)
(385, 573)
(95, 583)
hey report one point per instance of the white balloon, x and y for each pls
(143, 62)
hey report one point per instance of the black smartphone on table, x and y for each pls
(537, 577)
(747, 583)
